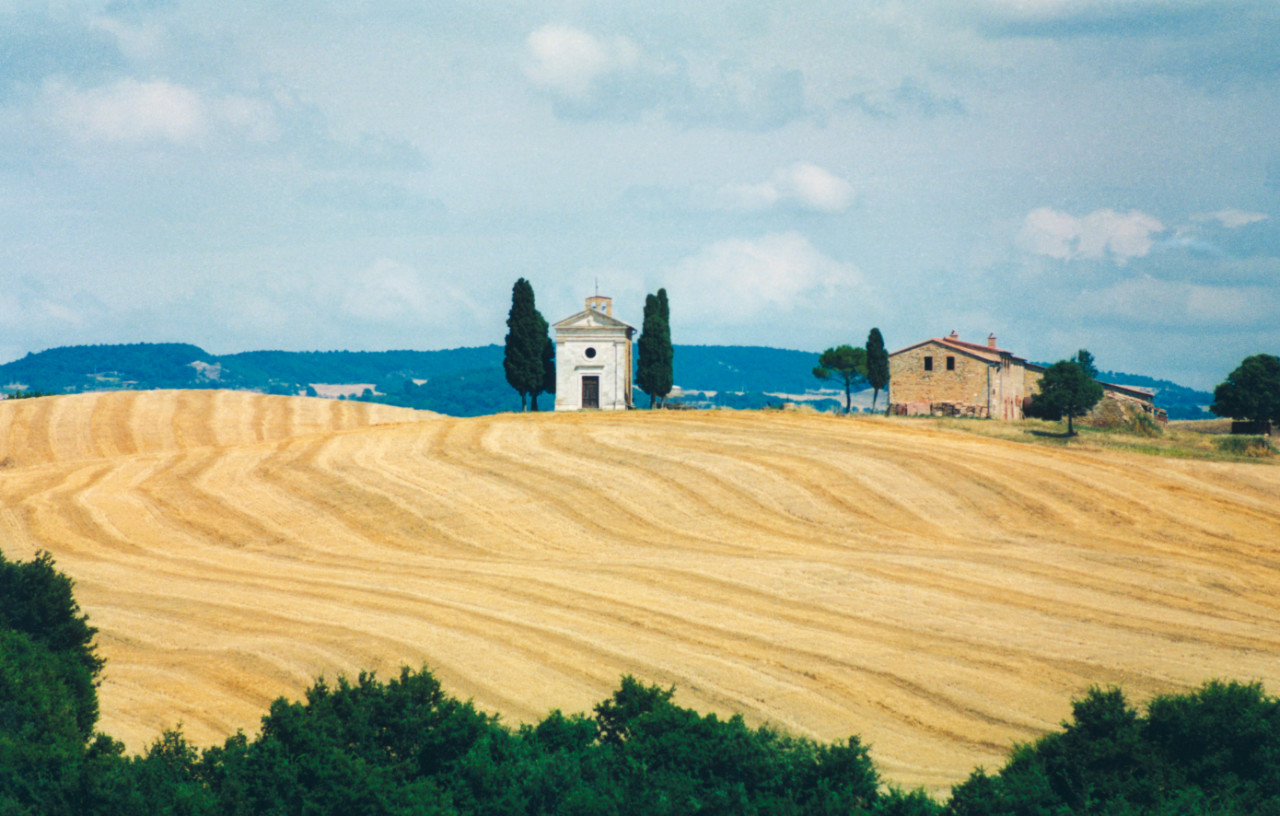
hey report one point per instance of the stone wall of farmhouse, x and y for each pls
(1013, 389)
(1031, 379)
(967, 385)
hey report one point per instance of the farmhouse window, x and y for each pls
(951, 363)
(928, 364)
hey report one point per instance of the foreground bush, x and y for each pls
(1213, 751)
(406, 747)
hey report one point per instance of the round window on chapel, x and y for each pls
(590, 353)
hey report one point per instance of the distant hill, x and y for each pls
(463, 381)
(72, 369)
(460, 382)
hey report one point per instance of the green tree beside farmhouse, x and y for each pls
(844, 364)
(1251, 392)
(1085, 360)
(529, 352)
(1066, 389)
(877, 365)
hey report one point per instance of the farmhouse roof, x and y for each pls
(1145, 394)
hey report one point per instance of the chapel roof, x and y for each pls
(590, 318)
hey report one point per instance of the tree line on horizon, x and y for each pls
(465, 381)
(404, 747)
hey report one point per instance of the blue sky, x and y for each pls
(374, 175)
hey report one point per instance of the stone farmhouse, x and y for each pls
(593, 359)
(947, 376)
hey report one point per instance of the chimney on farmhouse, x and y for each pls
(991, 340)
(954, 335)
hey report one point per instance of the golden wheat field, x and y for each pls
(942, 595)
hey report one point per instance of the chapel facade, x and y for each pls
(593, 359)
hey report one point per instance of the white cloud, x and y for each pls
(568, 61)
(1046, 231)
(803, 184)
(386, 290)
(391, 291)
(736, 281)
(1035, 9)
(1150, 301)
(1232, 218)
(1096, 12)
(130, 111)
(591, 77)
(752, 197)
(252, 118)
(134, 41)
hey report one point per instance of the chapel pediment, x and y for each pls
(591, 319)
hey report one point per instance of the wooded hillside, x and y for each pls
(458, 382)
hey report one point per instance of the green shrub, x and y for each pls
(1213, 751)
(1141, 424)
(1252, 447)
(36, 600)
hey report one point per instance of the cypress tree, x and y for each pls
(526, 330)
(548, 365)
(650, 339)
(877, 365)
(654, 369)
(546, 361)
(666, 366)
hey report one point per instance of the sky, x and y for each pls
(1065, 174)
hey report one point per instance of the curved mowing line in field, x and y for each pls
(940, 594)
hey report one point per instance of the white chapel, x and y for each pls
(593, 359)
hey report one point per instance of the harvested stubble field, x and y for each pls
(941, 594)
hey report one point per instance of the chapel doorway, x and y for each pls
(590, 392)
